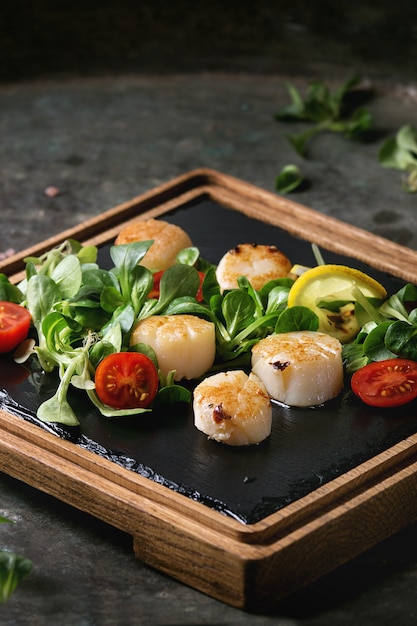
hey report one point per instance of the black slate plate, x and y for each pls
(307, 447)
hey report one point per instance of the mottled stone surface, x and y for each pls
(102, 141)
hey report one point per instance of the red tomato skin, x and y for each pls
(154, 293)
(199, 294)
(15, 322)
(385, 384)
(126, 380)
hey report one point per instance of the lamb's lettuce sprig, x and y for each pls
(82, 313)
(70, 351)
(8, 291)
(389, 329)
(243, 316)
(326, 111)
(178, 287)
(400, 153)
(13, 569)
(47, 262)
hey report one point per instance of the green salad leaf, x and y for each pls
(389, 329)
(82, 313)
(327, 111)
(289, 179)
(400, 153)
(243, 316)
(13, 569)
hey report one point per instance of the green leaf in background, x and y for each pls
(289, 178)
(400, 153)
(13, 569)
(336, 112)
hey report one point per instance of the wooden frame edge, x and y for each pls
(252, 553)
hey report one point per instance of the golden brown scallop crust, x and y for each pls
(168, 240)
(259, 263)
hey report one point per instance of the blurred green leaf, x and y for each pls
(400, 153)
(13, 569)
(336, 112)
(289, 178)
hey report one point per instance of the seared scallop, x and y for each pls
(233, 408)
(258, 263)
(301, 368)
(168, 240)
(184, 343)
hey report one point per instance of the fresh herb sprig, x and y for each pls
(13, 569)
(388, 329)
(243, 316)
(400, 153)
(327, 111)
(289, 179)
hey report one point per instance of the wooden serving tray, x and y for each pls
(251, 564)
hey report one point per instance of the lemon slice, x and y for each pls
(326, 284)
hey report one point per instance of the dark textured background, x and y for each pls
(44, 38)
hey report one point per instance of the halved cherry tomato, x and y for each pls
(154, 293)
(126, 380)
(388, 383)
(199, 294)
(14, 325)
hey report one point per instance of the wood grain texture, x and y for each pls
(251, 567)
